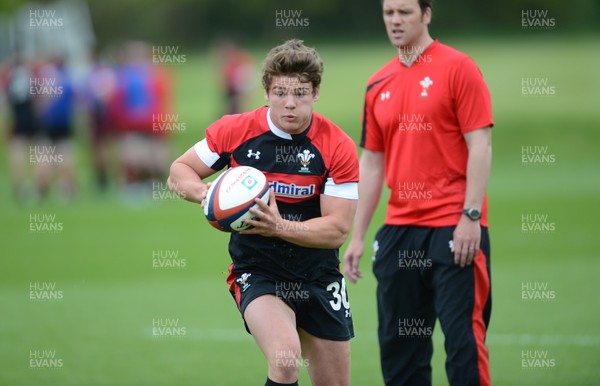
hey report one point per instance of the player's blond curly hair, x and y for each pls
(293, 58)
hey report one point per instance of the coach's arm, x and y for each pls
(186, 176)
(467, 235)
(370, 186)
(328, 231)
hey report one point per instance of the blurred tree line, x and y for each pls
(192, 23)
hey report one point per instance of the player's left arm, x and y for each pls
(328, 231)
(467, 235)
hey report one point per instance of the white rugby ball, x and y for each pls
(231, 196)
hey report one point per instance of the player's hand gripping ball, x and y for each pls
(231, 196)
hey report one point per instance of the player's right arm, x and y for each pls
(369, 193)
(186, 175)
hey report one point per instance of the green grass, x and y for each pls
(102, 260)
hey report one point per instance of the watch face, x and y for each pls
(473, 214)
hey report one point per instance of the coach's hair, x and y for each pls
(293, 58)
(423, 4)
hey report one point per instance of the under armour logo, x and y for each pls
(348, 313)
(255, 155)
(385, 95)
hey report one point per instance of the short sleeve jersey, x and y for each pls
(300, 168)
(418, 115)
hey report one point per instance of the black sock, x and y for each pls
(271, 383)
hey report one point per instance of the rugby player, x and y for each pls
(285, 276)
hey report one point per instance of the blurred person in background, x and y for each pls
(25, 129)
(55, 96)
(100, 90)
(238, 74)
(141, 96)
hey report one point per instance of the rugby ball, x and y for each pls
(231, 196)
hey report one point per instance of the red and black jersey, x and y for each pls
(418, 115)
(299, 168)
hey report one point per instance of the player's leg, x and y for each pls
(22, 151)
(19, 156)
(327, 361)
(405, 307)
(325, 327)
(273, 326)
(463, 305)
(131, 150)
(159, 160)
(44, 169)
(66, 168)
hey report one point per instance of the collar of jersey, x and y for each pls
(416, 62)
(282, 134)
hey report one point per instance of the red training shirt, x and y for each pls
(418, 116)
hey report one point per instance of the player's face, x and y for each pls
(291, 103)
(405, 23)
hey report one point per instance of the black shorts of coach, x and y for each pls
(418, 282)
(321, 306)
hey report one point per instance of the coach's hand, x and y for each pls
(269, 220)
(352, 259)
(467, 238)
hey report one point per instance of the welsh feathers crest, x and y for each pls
(305, 158)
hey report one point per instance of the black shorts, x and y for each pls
(58, 132)
(25, 123)
(321, 306)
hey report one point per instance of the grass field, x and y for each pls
(101, 262)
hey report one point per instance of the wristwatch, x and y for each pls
(472, 213)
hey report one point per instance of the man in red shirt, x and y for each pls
(427, 131)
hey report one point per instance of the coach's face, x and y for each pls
(405, 23)
(291, 102)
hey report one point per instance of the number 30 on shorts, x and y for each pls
(340, 296)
